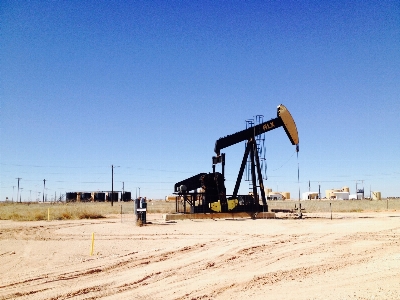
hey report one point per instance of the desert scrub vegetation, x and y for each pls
(55, 211)
(160, 206)
(34, 211)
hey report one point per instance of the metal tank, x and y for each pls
(376, 195)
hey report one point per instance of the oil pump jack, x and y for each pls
(206, 192)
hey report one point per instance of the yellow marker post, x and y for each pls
(48, 214)
(92, 248)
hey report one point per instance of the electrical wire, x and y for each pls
(287, 161)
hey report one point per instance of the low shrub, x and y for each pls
(15, 216)
(66, 215)
(90, 215)
(38, 216)
(59, 211)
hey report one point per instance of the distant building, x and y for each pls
(309, 196)
(274, 196)
(357, 196)
(341, 195)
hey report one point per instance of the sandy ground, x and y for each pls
(353, 256)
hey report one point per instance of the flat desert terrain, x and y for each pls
(352, 256)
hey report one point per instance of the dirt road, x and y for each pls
(353, 256)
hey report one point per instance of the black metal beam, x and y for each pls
(260, 179)
(246, 134)
(253, 171)
(191, 183)
(240, 175)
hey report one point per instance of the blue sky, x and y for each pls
(149, 86)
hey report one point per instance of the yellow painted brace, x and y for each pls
(215, 206)
(232, 204)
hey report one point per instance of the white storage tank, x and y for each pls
(309, 196)
(331, 193)
(342, 195)
(357, 196)
(286, 195)
(376, 195)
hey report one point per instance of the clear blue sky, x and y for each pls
(149, 86)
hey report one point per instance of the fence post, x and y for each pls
(92, 246)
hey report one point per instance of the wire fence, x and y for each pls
(337, 205)
(310, 206)
(127, 210)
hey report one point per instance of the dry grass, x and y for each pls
(339, 205)
(74, 210)
(160, 206)
(70, 211)
(57, 211)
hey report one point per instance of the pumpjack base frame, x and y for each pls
(194, 203)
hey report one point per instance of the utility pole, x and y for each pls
(112, 185)
(123, 193)
(13, 193)
(356, 191)
(30, 195)
(362, 182)
(319, 191)
(18, 178)
(44, 186)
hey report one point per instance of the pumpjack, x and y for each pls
(206, 192)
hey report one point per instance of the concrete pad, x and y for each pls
(238, 215)
(266, 215)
